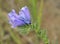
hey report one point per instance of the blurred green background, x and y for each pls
(50, 25)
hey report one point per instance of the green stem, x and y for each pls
(39, 18)
(34, 13)
(34, 9)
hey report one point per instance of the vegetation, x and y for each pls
(31, 34)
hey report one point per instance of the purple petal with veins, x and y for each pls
(21, 19)
(25, 15)
(13, 19)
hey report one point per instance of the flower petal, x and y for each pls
(24, 14)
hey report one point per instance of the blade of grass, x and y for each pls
(1, 30)
(1, 35)
(34, 8)
(41, 33)
(39, 18)
(15, 37)
(34, 13)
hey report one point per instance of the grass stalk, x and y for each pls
(15, 37)
(1, 35)
(34, 9)
(39, 18)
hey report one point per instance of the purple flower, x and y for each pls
(21, 19)
(24, 14)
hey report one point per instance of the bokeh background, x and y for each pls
(50, 21)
